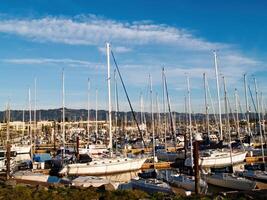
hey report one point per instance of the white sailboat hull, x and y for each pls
(104, 166)
(22, 149)
(219, 159)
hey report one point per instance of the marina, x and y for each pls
(78, 158)
(133, 100)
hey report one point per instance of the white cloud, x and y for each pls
(180, 51)
(96, 31)
(65, 61)
(116, 49)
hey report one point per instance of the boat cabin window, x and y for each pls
(12, 154)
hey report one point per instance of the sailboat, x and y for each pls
(105, 165)
(217, 158)
(22, 148)
(93, 150)
(164, 154)
(3, 152)
(230, 180)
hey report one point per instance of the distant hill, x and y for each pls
(81, 114)
(75, 114)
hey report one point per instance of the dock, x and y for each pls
(159, 165)
(254, 159)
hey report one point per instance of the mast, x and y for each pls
(96, 114)
(34, 116)
(63, 112)
(109, 98)
(152, 118)
(8, 147)
(206, 104)
(186, 127)
(23, 121)
(259, 119)
(236, 110)
(247, 106)
(141, 108)
(164, 110)
(190, 120)
(88, 108)
(218, 93)
(30, 122)
(227, 119)
(7, 121)
(116, 103)
(263, 118)
(170, 112)
(158, 115)
(141, 112)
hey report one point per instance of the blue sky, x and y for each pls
(39, 38)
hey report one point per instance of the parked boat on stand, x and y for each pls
(151, 185)
(256, 175)
(231, 181)
(188, 182)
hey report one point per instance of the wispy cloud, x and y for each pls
(92, 30)
(179, 50)
(65, 61)
(116, 49)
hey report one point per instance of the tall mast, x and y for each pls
(206, 104)
(247, 106)
(190, 120)
(236, 110)
(152, 118)
(263, 118)
(96, 114)
(63, 112)
(141, 108)
(88, 108)
(23, 121)
(218, 93)
(30, 122)
(109, 98)
(259, 119)
(7, 121)
(227, 119)
(35, 107)
(158, 114)
(164, 110)
(186, 127)
(116, 102)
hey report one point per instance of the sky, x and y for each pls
(40, 38)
